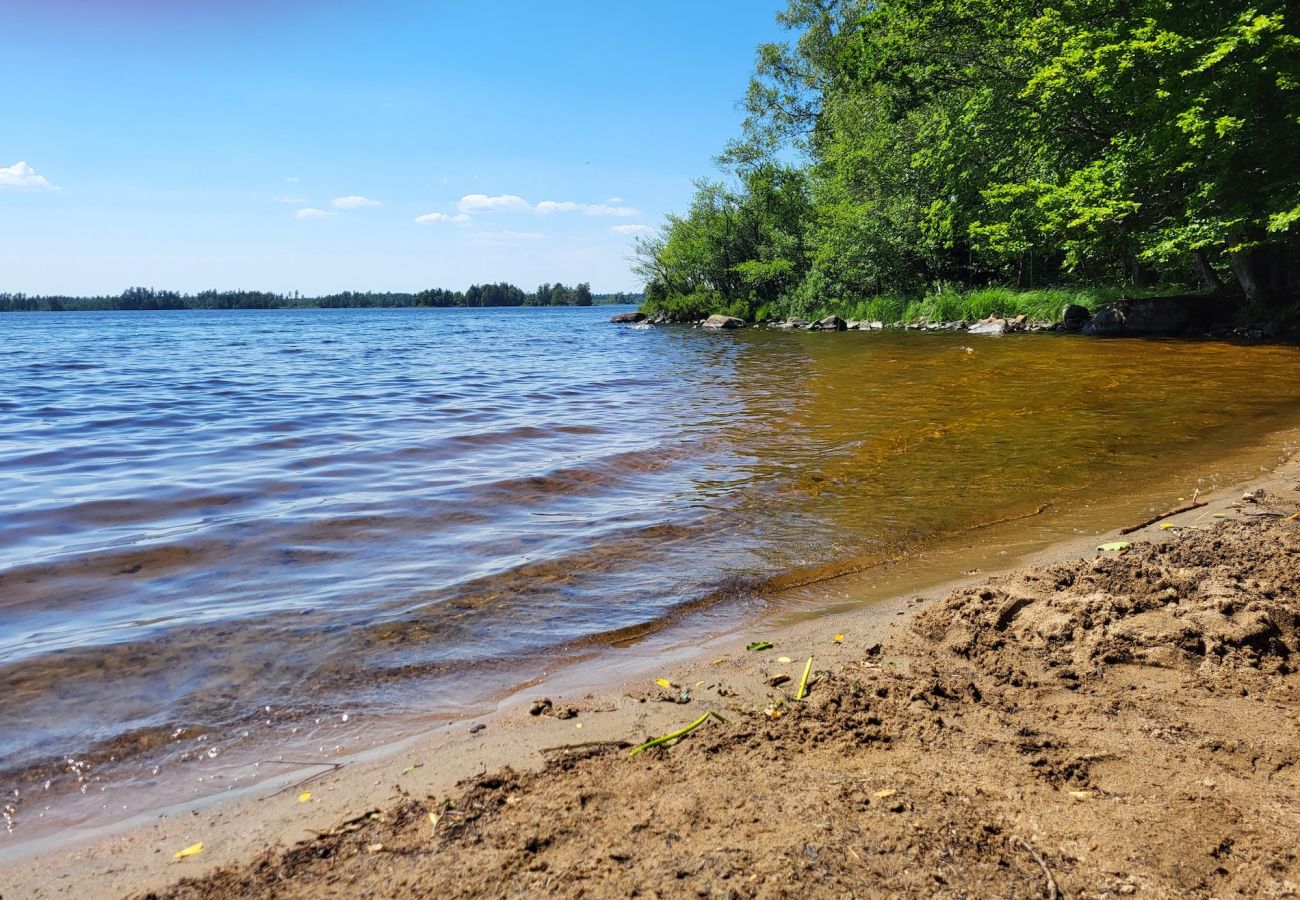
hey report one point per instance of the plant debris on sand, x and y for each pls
(1118, 725)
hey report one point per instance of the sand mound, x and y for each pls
(1120, 725)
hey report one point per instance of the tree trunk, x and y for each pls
(1209, 278)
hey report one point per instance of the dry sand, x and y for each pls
(1105, 724)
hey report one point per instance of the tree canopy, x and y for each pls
(898, 144)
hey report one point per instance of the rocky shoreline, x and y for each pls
(1156, 317)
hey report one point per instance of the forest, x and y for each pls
(899, 156)
(476, 295)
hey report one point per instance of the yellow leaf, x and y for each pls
(304, 796)
(433, 818)
(1165, 526)
(191, 850)
(663, 682)
(887, 792)
(839, 638)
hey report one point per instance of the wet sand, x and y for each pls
(1003, 773)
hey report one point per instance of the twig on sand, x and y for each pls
(586, 745)
(1160, 518)
(1029, 515)
(803, 682)
(668, 738)
(1052, 892)
(333, 767)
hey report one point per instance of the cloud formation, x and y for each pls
(629, 229)
(549, 207)
(472, 203)
(310, 214)
(21, 175)
(353, 201)
(441, 217)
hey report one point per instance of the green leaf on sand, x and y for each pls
(668, 738)
(759, 645)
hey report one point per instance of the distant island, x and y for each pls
(475, 296)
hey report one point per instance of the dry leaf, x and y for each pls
(191, 850)
(304, 796)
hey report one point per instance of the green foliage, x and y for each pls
(976, 142)
(485, 295)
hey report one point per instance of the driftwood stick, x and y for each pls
(333, 767)
(1160, 518)
(1052, 892)
(586, 745)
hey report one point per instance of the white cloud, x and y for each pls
(352, 201)
(21, 175)
(312, 214)
(441, 217)
(614, 201)
(604, 209)
(546, 207)
(629, 229)
(472, 203)
(292, 180)
(294, 200)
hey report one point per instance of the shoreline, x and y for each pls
(607, 693)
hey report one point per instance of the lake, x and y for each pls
(223, 528)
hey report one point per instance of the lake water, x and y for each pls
(220, 527)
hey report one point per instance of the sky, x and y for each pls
(344, 145)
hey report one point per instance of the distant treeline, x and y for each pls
(477, 295)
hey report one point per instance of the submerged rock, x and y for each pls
(830, 323)
(727, 322)
(628, 318)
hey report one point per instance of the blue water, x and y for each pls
(206, 515)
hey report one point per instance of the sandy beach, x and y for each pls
(1082, 725)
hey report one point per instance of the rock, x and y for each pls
(727, 322)
(831, 323)
(989, 326)
(1074, 318)
(854, 325)
(1018, 323)
(628, 318)
(875, 326)
(1156, 316)
(791, 323)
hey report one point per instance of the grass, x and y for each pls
(944, 304)
(950, 305)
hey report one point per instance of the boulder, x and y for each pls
(1157, 316)
(854, 325)
(1074, 318)
(628, 318)
(831, 323)
(989, 326)
(874, 326)
(727, 322)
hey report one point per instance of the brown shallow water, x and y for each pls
(223, 529)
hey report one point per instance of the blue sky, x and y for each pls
(294, 145)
